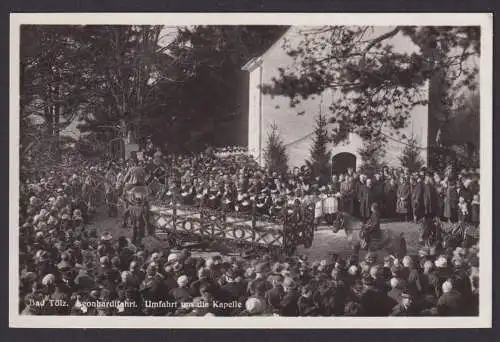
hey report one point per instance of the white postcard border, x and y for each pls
(485, 20)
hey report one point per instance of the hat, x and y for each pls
(49, 279)
(64, 265)
(370, 256)
(441, 262)
(182, 280)
(289, 282)
(42, 255)
(155, 256)
(407, 293)
(254, 306)
(106, 236)
(172, 257)
(104, 260)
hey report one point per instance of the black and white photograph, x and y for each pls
(332, 169)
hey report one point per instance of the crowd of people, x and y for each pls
(67, 268)
(235, 181)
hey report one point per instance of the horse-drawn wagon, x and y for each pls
(281, 234)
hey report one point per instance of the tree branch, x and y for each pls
(382, 37)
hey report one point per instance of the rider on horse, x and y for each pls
(136, 197)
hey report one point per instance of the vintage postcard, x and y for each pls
(251, 170)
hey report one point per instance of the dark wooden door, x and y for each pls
(342, 161)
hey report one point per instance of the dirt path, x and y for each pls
(324, 244)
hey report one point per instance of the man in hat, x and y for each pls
(138, 204)
(407, 305)
(288, 305)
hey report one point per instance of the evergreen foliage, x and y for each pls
(320, 161)
(275, 156)
(410, 157)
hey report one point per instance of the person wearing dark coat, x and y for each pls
(274, 297)
(417, 199)
(451, 202)
(288, 305)
(373, 301)
(396, 291)
(378, 190)
(202, 281)
(407, 306)
(430, 197)
(412, 275)
(390, 198)
(306, 303)
(371, 229)
(181, 294)
(474, 210)
(451, 301)
(366, 199)
(232, 290)
(403, 199)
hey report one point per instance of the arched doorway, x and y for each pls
(342, 161)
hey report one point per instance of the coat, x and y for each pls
(417, 199)
(307, 307)
(288, 305)
(403, 201)
(373, 302)
(390, 198)
(474, 213)
(450, 304)
(379, 189)
(401, 310)
(451, 202)
(366, 199)
(347, 192)
(430, 199)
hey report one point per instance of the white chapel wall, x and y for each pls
(296, 129)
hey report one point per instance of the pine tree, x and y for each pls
(372, 153)
(319, 163)
(410, 157)
(275, 154)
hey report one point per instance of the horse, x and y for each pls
(459, 234)
(388, 241)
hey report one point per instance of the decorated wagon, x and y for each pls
(292, 227)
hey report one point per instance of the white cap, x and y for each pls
(172, 257)
(48, 279)
(182, 280)
(353, 270)
(447, 287)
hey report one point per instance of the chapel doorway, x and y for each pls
(343, 161)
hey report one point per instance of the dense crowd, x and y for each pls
(68, 268)
(235, 182)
